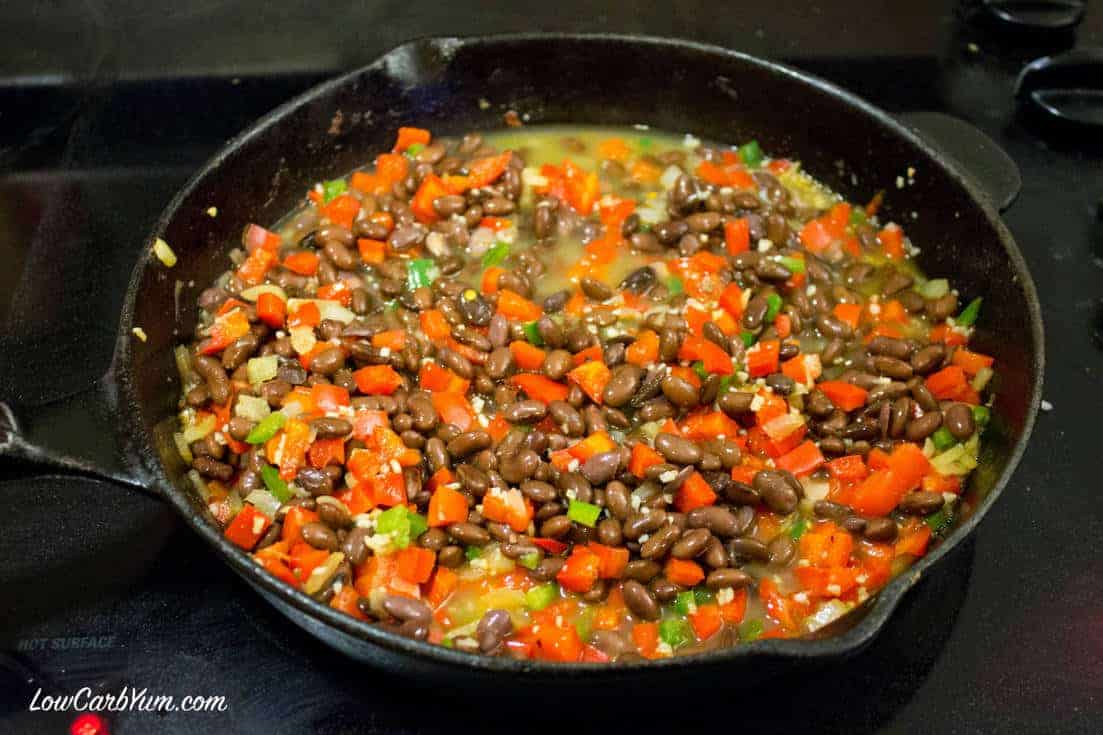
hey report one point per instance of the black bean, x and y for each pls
(640, 600)
(755, 312)
(782, 550)
(555, 527)
(331, 428)
(747, 549)
(921, 502)
(680, 391)
(659, 543)
(677, 449)
(557, 363)
(407, 609)
(525, 412)
(779, 489)
(691, 544)
(728, 578)
(469, 534)
(601, 467)
(958, 420)
(922, 427)
(928, 359)
(880, 529)
(892, 367)
(469, 442)
(622, 385)
(319, 536)
(891, 347)
(493, 628)
(209, 467)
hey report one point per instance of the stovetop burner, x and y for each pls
(103, 588)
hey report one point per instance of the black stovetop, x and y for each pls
(104, 112)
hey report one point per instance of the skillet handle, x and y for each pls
(79, 434)
(976, 154)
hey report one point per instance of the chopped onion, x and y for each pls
(182, 447)
(956, 460)
(264, 501)
(164, 253)
(828, 611)
(935, 288)
(195, 430)
(303, 339)
(327, 308)
(261, 369)
(253, 408)
(670, 176)
(253, 293)
(188, 376)
(815, 489)
(982, 377)
(323, 573)
(481, 240)
(200, 485)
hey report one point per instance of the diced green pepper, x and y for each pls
(793, 265)
(645, 143)
(969, 314)
(420, 272)
(725, 384)
(414, 149)
(402, 524)
(685, 602)
(800, 525)
(943, 439)
(940, 520)
(748, 338)
(530, 560)
(540, 597)
(773, 302)
(584, 513)
(333, 189)
(703, 595)
(274, 483)
(675, 632)
(497, 253)
(266, 428)
(584, 623)
(858, 216)
(981, 416)
(699, 368)
(532, 334)
(447, 643)
(472, 552)
(751, 154)
(750, 630)
(674, 285)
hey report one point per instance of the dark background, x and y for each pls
(105, 109)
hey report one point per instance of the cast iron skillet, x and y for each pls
(453, 85)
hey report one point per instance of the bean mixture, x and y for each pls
(582, 395)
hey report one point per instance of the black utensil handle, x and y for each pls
(976, 154)
(78, 434)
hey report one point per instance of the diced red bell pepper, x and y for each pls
(377, 380)
(303, 262)
(256, 237)
(845, 396)
(803, 460)
(715, 359)
(581, 570)
(613, 559)
(272, 310)
(326, 451)
(509, 507)
(247, 527)
(415, 564)
(436, 378)
(694, 492)
(706, 621)
(447, 506)
(591, 377)
(850, 468)
(409, 136)
(454, 408)
(762, 358)
(527, 356)
(341, 210)
(737, 235)
(539, 387)
(432, 187)
(684, 572)
(514, 306)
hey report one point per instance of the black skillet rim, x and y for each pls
(883, 603)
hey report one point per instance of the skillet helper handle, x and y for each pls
(976, 154)
(79, 434)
